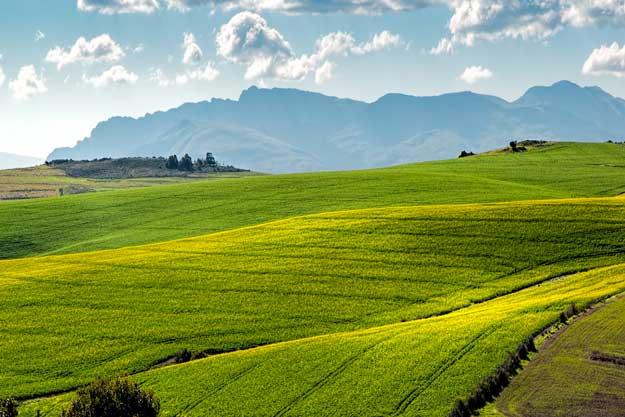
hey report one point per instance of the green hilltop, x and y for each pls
(130, 217)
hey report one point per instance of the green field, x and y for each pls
(48, 181)
(131, 217)
(582, 374)
(413, 368)
(372, 293)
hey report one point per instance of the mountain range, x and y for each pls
(9, 161)
(288, 130)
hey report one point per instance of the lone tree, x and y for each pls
(186, 163)
(513, 145)
(210, 160)
(8, 408)
(172, 162)
(113, 398)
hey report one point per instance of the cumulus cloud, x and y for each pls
(116, 75)
(324, 72)
(27, 84)
(247, 39)
(283, 6)
(118, 6)
(99, 49)
(606, 60)
(206, 73)
(307, 6)
(444, 47)
(2, 77)
(492, 20)
(192, 51)
(471, 75)
(39, 35)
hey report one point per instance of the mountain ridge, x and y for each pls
(289, 130)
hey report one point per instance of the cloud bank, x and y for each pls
(27, 84)
(248, 40)
(606, 60)
(116, 75)
(99, 49)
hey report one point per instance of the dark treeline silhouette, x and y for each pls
(186, 163)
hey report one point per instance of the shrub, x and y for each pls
(172, 162)
(113, 398)
(183, 355)
(464, 154)
(186, 163)
(8, 408)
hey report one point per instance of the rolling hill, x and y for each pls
(468, 282)
(286, 130)
(131, 217)
(383, 292)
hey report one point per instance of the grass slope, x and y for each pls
(130, 217)
(47, 181)
(414, 368)
(66, 319)
(581, 375)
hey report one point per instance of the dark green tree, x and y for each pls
(210, 160)
(113, 398)
(8, 408)
(186, 163)
(172, 162)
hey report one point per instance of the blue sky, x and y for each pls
(131, 58)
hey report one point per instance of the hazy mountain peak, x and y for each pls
(286, 129)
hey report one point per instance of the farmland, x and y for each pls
(384, 292)
(48, 181)
(285, 280)
(131, 217)
(413, 368)
(591, 354)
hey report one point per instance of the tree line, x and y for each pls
(186, 163)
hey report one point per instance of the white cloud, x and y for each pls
(606, 60)
(138, 49)
(307, 6)
(98, 49)
(116, 75)
(283, 6)
(381, 41)
(206, 73)
(2, 77)
(39, 35)
(118, 6)
(471, 75)
(324, 72)
(192, 51)
(28, 84)
(248, 40)
(444, 47)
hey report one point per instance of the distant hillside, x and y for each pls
(122, 168)
(287, 130)
(168, 212)
(10, 161)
